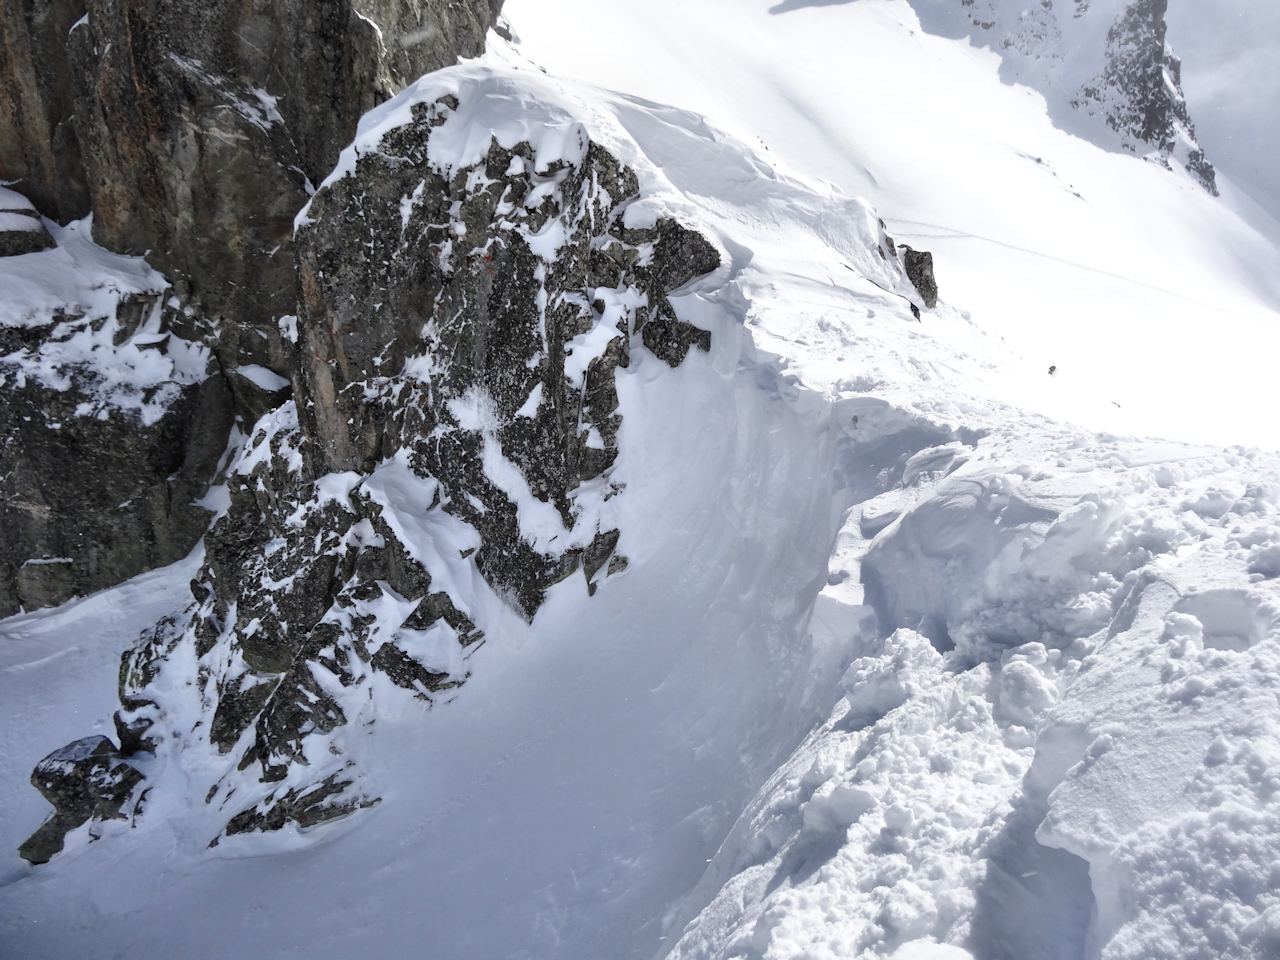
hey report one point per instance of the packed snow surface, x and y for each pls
(898, 668)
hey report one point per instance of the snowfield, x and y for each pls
(921, 653)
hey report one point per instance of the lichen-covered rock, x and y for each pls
(85, 780)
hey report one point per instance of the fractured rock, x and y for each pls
(428, 366)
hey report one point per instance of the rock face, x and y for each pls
(86, 780)
(199, 127)
(39, 144)
(91, 501)
(450, 454)
(1140, 90)
(115, 420)
(1103, 65)
(193, 133)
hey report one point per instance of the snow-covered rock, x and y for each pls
(116, 417)
(190, 132)
(85, 780)
(447, 279)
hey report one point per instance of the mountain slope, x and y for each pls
(895, 667)
(1015, 209)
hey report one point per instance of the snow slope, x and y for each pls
(1016, 210)
(896, 666)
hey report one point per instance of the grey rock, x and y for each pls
(39, 144)
(1140, 89)
(919, 267)
(88, 500)
(205, 124)
(193, 132)
(327, 800)
(84, 780)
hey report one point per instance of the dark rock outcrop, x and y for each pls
(115, 421)
(456, 376)
(85, 780)
(86, 502)
(919, 267)
(193, 132)
(1140, 90)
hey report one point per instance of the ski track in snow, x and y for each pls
(897, 669)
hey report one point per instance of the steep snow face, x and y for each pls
(1017, 211)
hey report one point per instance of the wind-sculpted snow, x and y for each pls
(892, 669)
(1055, 738)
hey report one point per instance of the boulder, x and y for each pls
(85, 780)
(919, 267)
(21, 229)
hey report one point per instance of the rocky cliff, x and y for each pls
(192, 133)
(452, 438)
